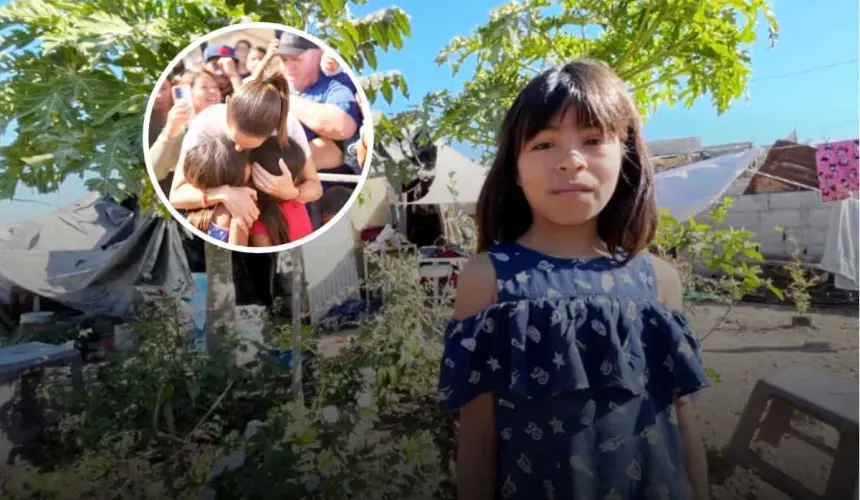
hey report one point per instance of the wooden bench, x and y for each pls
(826, 398)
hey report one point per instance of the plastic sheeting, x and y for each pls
(90, 255)
(457, 179)
(689, 190)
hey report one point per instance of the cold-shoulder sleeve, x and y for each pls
(538, 348)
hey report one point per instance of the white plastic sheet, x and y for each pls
(458, 179)
(689, 190)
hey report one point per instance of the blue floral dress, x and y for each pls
(583, 361)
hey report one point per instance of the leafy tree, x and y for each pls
(77, 76)
(668, 51)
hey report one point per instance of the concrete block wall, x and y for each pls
(802, 213)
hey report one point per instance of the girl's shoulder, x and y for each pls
(669, 288)
(475, 286)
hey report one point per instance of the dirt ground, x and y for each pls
(754, 341)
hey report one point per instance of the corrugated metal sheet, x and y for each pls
(331, 269)
(786, 160)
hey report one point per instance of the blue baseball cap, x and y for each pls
(217, 51)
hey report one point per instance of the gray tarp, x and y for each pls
(90, 255)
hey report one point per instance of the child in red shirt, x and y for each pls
(280, 222)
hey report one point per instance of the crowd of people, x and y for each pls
(237, 143)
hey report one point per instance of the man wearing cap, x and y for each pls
(221, 60)
(326, 107)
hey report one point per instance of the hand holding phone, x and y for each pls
(182, 93)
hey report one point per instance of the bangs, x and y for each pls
(590, 90)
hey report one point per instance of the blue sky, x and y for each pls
(790, 89)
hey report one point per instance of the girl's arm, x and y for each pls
(670, 291)
(695, 456)
(238, 234)
(476, 446)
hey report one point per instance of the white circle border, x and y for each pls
(365, 111)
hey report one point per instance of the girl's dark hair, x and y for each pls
(261, 50)
(212, 163)
(260, 106)
(629, 220)
(267, 156)
(243, 41)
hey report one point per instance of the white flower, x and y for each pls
(253, 428)
(235, 460)
(311, 481)
(229, 463)
(330, 414)
(365, 399)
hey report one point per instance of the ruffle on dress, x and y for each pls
(540, 348)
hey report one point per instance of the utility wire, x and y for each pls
(804, 71)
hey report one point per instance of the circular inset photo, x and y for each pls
(256, 137)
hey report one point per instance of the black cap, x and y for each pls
(293, 45)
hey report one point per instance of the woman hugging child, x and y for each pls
(216, 162)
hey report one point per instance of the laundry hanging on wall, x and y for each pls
(838, 164)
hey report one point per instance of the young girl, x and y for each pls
(212, 163)
(569, 358)
(280, 221)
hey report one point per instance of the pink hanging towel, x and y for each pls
(838, 164)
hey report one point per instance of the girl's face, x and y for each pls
(567, 173)
(204, 93)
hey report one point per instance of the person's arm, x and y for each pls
(310, 189)
(231, 70)
(271, 52)
(238, 234)
(326, 119)
(476, 445)
(670, 291)
(164, 153)
(239, 201)
(326, 153)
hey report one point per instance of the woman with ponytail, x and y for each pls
(257, 111)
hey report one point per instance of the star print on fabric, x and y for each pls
(579, 340)
(558, 360)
